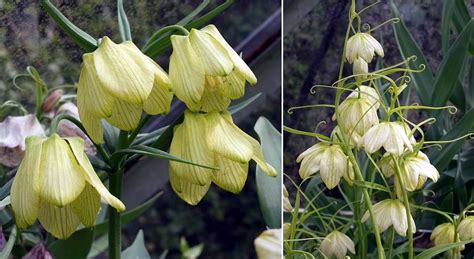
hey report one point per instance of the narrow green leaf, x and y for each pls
(137, 249)
(451, 67)
(441, 158)
(371, 185)
(269, 189)
(408, 47)
(471, 84)
(461, 15)
(7, 249)
(5, 190)
(446, 18)
(5, 202)
(430, 253)
(124, 25)
(76, 246)
(80, 37)
(241, 105)
(460, 187)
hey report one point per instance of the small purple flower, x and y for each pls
(38, 252)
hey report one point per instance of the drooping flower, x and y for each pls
(269, 244)
(391, 212)
(392, 136)
(358, 113)
(117, 82)
(13, 132)
(337, 244)
(205, 72)
(212, 140)
(52, 100)
(415, 168)
(443, 234)
(363, 45)
(57, 184)
(466, 229)
(329, 160)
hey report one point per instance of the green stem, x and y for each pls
(162, 31)
(115, 223)
(407, 210)
(390, 242)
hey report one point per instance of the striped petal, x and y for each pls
(231, 175)
(77, 146)
(161, 95)
(226, 139)
(125, 116)
(186, 73)
(212, 55)
(213, 100)
(61, 222)
(233, 85)
(189, 143)
(124, 71)
(239, 64)
(87, 206)
(92, 124)
(187, 191)
(60, 179)
(25, 202)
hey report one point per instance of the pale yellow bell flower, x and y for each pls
(360, 68)
(212, 140)
(287, 207)
(362, 45)
(57, 185)
(445, 234)
(117, 83)
(205, 72)
(337, 244)
(391, 212)
(466, 229)
(392, 136)
(269, 244)
(329, 160)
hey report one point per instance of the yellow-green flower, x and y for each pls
(57, 185)
(391, 212)
(212, 140)
(269, 244)
(443, 234)
(205, 72)
(363, 45)
(337, 244)
(329, 160)
(466, 228)
(117, 83)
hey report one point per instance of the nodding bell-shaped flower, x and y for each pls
(13, 132)
(287, 207)
(205, 72)
(466, 229)
(329, 160)
(415, 168)
(391, 212)
(360, 68)
(392, 136)
(363, 45)
(269, 244)
(337, 244)
(358, 112)
(57, 184)
(212, 140)
(444, 234)
(117, 83)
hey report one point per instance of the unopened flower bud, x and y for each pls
(287, 207)
(444, 234)
(52, 100)
(466, 228)
(337, 244)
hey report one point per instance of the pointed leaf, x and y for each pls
(124, 25)
(137, 249)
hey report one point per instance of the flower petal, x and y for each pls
(212, 100)
(189, 142)
(160, 97)
(61, 222)
(60, 178)
(231, 176)
(226, 139)
(25, 202)
(189, 192)
(77, 146)
(239, 64)
(125, 116)
(212, 55)
(185, 72)
(124, 71)
(233, 85)
(92, 124)
(87, 206)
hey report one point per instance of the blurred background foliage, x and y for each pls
(312, 50)
(226, 224)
